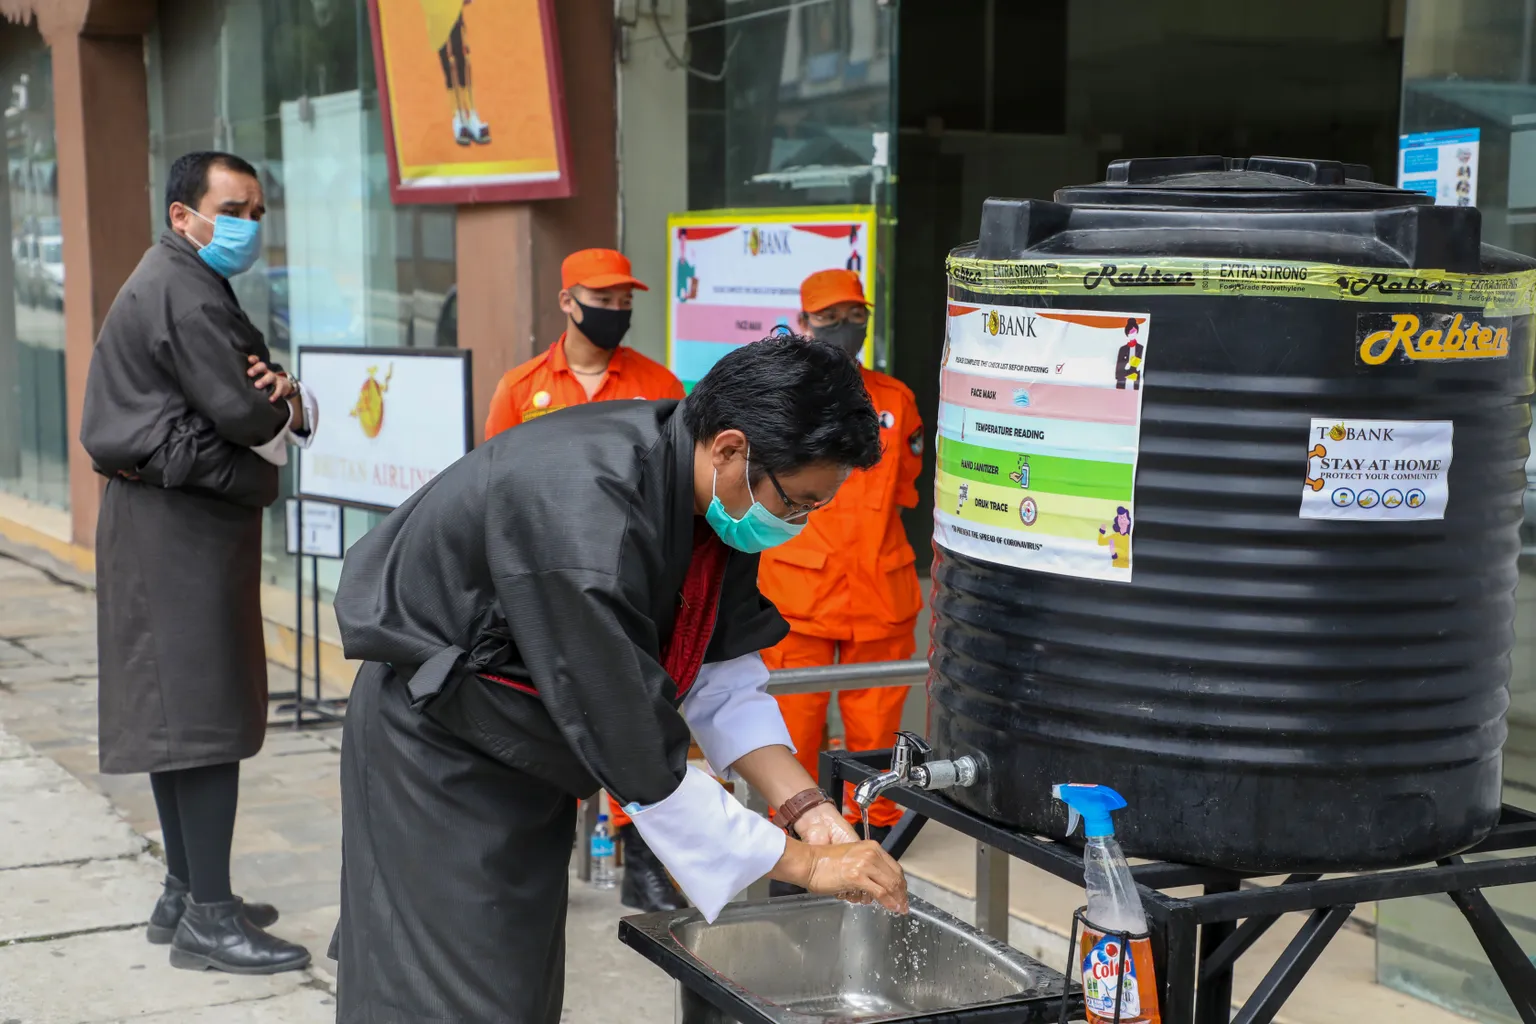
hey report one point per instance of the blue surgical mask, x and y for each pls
(236, 244)
(756, 531)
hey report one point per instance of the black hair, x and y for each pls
(187, 182)
(799, 401)
(1130, 325)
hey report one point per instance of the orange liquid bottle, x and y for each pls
(1104, 975)
(1115, 980)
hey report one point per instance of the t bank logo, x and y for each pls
(1010, 325)
(757, 242)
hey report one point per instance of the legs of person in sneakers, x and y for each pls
(197, 824)
(646, 885)
(455, 64)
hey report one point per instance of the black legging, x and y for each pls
(197, 817)
(451, 54)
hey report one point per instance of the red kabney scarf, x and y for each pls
(698, 606)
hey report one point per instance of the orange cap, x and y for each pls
(598, 268)
(829, 287)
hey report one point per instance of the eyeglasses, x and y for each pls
(856, 315)
(797, 513)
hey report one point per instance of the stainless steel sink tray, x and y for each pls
(818, 960)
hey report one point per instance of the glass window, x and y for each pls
(34, 432)
(289, 85)
(1468, 64)
(730, 104)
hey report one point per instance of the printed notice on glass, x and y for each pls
(1375, 470)
(1039, 429)
(1440, 164)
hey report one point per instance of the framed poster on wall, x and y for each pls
(734, 275)
(471, 97)
(395, 418)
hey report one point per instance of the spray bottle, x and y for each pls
(1113, 907)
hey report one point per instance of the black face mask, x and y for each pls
(845, 334)
(604, 328)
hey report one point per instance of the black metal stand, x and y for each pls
(321, 710)
(1196, 940)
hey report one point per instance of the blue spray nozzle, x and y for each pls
(1091, 804)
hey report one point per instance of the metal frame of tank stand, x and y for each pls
(1196, 940)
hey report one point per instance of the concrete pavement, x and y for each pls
(80, 860)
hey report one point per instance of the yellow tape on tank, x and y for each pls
(1496, 294)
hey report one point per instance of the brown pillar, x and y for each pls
(101, 122)
(509, 254)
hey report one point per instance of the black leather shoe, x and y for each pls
(646, 885)
(220, 937)
(168, 908)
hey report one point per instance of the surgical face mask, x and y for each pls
(756, 531)
(604, 328)
(845, 334)
(235, 246)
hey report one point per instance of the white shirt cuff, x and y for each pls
(275, 451)
(311, 419)
(731, 713)
(713, 846)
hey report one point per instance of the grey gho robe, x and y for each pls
(183, 671)
(515, 617)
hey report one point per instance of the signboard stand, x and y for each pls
(401, 417)
(319, 536)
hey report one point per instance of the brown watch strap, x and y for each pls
(793, 809)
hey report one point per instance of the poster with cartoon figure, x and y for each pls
(1039, 431)
(735, 276)
(471, 99)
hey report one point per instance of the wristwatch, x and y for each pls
(795, 808)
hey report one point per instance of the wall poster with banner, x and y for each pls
(398, 417)
(734, 275)
(471, 96)
(1039, 432)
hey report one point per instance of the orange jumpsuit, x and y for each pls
(545, 383)
(848, 586)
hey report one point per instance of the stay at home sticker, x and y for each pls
(1377, 470)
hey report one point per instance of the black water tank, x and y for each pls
(1270, 691)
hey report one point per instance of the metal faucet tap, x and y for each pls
(910, 767)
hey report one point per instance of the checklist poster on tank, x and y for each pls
(1377, 470)
(1039, 428)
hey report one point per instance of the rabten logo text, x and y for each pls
(1142, 278)
(1428, 336)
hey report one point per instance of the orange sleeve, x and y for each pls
(911, 453)
(503, 414)
(674, 388)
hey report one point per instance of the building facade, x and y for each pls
(916, 110)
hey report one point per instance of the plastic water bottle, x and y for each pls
(604, 874)
(1119, 981)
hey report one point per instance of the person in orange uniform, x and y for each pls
(848, 583)
(588, 364)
